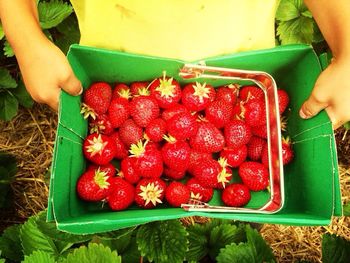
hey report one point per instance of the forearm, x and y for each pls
(333, 19)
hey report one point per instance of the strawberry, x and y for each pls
(182, 126)
(143, 110)
(238, 110)
(236, 195)
(219, 113)
(101, 124)
(249, 92)
(287, 151)
(98, 97)
(196, 157)
(176, 154)
(109, 169)
(260, 131)
(128, 171)
(130, 132)
(283, 100)
(254, 175)
(198, 191)
(210, 173)
(99, 149)
(156, 130)
(149, 162)
(122, 151)
(121, 194)
(173, 174)
(227, 93)
(255, 148)
(166, 91)
(237, 133)
(255, 112)
(150, 192)
(197, 96)
(121, 90)
(177, 194)
(93, 185)
(208, 138)
(138, 87)
(167, 114)
(118, 111)
(234, 156)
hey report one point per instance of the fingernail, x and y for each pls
(81, 91)
(303, 115)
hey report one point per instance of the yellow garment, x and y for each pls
(182, 29)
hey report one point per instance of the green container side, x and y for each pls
(311, 188)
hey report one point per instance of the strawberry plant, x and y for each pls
(8, 169)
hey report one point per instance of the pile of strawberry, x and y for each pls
(174, 143)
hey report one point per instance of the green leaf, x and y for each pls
(10, 243)
(241, 253)
(2, 34)
(39, 257)
(223, 235)
(69, 33)
(53, 13)
(131, 254)
(8, 51)
(22, 95)
(33, 239)
(263, 251)
(347, 125)
(335, 249)
(346, 209)
(117, 240)
(6, 80)
(8, 105)
(164, 241)
(298, 30)
(198, 246)
(287, 10)
(94, 253)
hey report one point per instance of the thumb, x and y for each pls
(72, 85)
(311, 107)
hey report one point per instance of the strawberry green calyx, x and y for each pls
(166, 88)
(201, 90)
(125, 93)
(144, 92)
(100, 178)
(223, 162)
(223, 177)
(96, 145)
(169, 138)
(87, 112)
(197, 196)
(151, 194)
(138, 149)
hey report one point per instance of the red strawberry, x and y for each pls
(93, 185)
(130, 132)
(249, 92)
(166, 91)
(99, 149)
(143, 110)
(150, 192)
(219, 113)
(210, 173)
(101, 124)
(98, 97)
(197, 96)
(156, 130)
(177, 194)
(255, 112)
(237, 133)
(283, 100)
(173, 174)
(234, 156)
(255, 148)
(122, 151)
(265, 156)
(121, 90)
(149, 162)
(198, 191)
(227, 93)
(128, 171)
(260, 131)
(238, 110)
(121, 194)
(176, 154)
(182, 126)
(118, 111)
(254, 175)
(208, 138)
(236, 195)
(196, 157)
(138, 87)
(109, 169)
(287, 151)
(167, 114)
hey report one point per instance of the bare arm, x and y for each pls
(332, 89)
(44, 67)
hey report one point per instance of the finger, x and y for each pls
(72, 85)
(54, 100)
(336, 121)
(311, 107)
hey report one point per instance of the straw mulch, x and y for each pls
(30, 138)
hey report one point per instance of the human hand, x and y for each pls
(332, 93)
(45, 72)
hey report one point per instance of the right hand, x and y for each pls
(45, 72)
